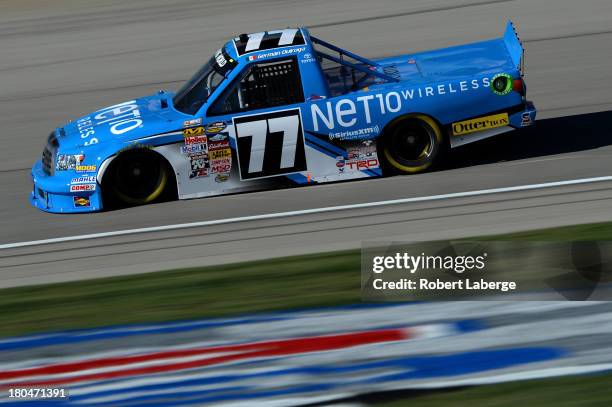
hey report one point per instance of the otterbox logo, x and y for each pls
(483, 123)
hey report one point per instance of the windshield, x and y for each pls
(195, 91)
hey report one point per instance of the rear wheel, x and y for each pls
(412, 144)
(137, 177)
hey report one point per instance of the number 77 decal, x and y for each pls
(269, 40)
(270, 144)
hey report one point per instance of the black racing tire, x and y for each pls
(138, 177)
(411, 145)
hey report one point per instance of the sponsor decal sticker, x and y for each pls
(193, 131)
(362, 152)
(121, 118)
(68, 161)
(362, 164)
(83, 180)
(224, 153)
(526, 119)
(192, 149)
(316, 97)
(82, 187)
(192, 122)
(86, 129)
(215, 127)
(501, 84)
(199, 166)
(196, 140)
(340, 163)
(358, 134)
(218, 137)
(307, 58)
(345, 112)
(360, 156)
(221, 177)
(220, 58)
(225, 62)
(86, 168)
(279, 53)
(218, 145)
(221, 165)
(81, 201)
(482, 123)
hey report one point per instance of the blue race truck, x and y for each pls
(279, 108)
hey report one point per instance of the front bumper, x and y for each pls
(51, 193)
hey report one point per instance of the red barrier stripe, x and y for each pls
(250, 350)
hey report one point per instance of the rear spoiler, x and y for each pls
(515, 47)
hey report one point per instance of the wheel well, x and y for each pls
(171, 191)
(419, 116)
(389, 164)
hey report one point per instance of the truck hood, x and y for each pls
(122, 123)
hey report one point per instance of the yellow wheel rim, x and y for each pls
(415, 168)
(149, 198)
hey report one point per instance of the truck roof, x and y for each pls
(252, 46)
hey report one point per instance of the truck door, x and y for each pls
(264, 105)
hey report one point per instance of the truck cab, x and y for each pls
(268, 92)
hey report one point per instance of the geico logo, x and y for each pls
(489, 122)
(362, 164)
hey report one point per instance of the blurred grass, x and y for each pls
(279, 284)
(303, 281)
(593, 231)
(572, 391)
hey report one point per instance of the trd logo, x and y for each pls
(362, 164)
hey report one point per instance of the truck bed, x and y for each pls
(470, 60)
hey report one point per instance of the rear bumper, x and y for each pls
(519, 118)
(525, 118)
(51, 193)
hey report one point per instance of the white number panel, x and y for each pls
(270, 144)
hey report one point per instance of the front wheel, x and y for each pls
(136, 178)
(412, 144)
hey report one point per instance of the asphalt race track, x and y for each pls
(62, 59)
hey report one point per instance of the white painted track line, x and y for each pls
(306, 212)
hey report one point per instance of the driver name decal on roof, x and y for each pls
(272, 54)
